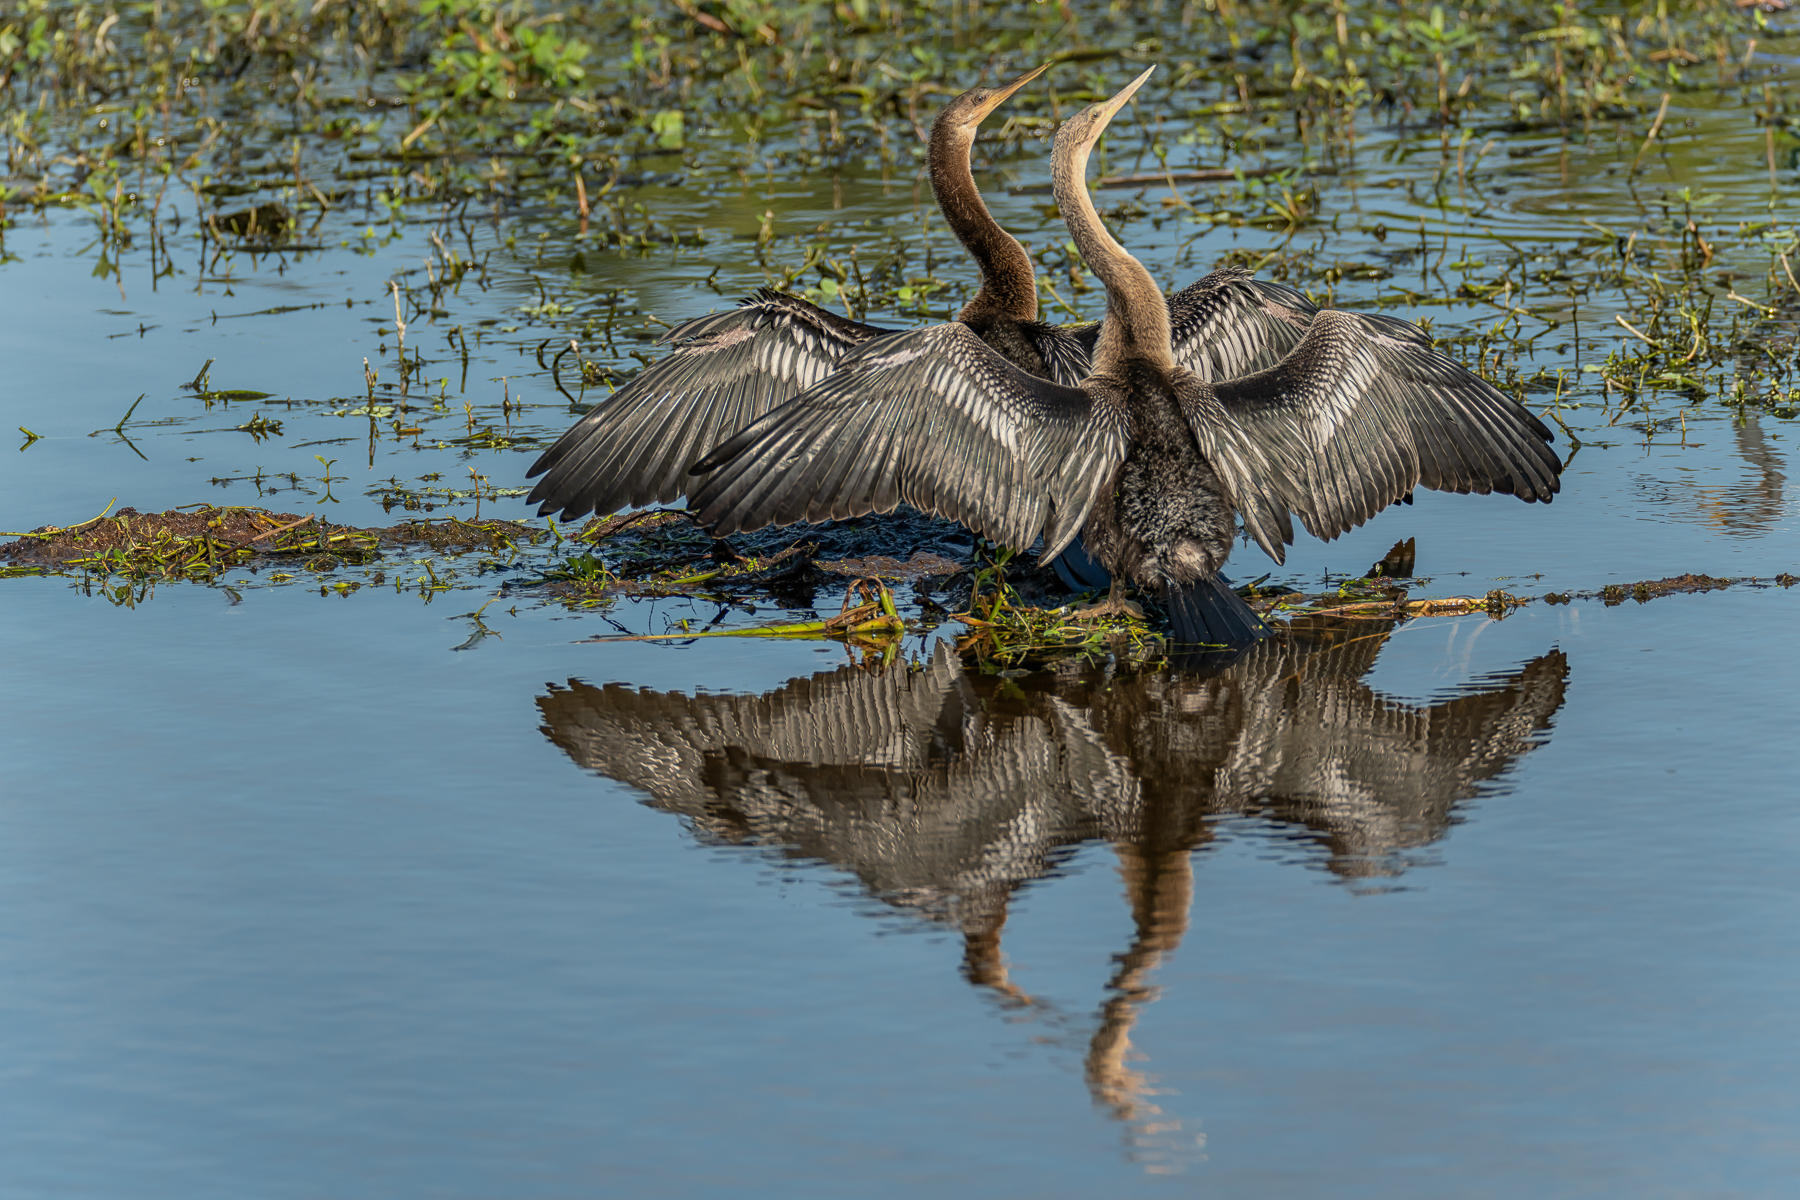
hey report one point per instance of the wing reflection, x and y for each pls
(944, 792)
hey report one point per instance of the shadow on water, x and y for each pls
(944, 792)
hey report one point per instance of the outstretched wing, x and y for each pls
(726, 370)
(1230, 324)
(932, 417)
(1223, 326)
(1361, 412)
(1068, 350)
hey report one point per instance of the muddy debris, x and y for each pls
(665, 552)
(201, 542)
(922, 565)
(456, 536)
(182, 543)
(1649, 589)
(1398, 563)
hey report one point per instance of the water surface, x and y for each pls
(366, 895)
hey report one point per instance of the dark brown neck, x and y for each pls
(1137, 316)
(1008, 284)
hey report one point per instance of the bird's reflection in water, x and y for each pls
(1759, 503)
(1752, 505)
(944, 792)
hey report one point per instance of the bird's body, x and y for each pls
(1163, 519)
(1232, 401)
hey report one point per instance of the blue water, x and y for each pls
(308, 896)
(343, 920)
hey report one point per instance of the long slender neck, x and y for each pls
(1137, 316)
(1008, 284)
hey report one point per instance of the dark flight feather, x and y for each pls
(1362, 411)
(933, 417)
(726, 370)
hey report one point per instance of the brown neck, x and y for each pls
(1008, 284)
(1161, 889)
(1137, 316)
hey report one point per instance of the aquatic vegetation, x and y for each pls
(128, 552)
(199, 545)
(1361, 153)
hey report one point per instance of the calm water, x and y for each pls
(313, 896)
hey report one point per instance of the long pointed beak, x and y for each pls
(1005, 92)
(1107, 109)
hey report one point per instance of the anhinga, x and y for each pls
(728, 369)
(1147, 459)
(944, 792)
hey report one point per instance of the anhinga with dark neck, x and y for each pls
(1008, 288)
(728, 369)
(1155, 455)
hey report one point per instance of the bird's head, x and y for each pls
(1079, 133)
(963, 114)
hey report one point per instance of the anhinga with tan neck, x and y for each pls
(728, 369)
(1148, 459)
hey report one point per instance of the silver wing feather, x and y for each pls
(726, 370)
(1362, 411)
(1230, 324)
(933, 417)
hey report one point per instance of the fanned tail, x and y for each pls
(1210, 613)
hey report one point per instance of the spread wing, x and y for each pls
(1360, 413)
(726, 370)
(932, 417)
(1223, 326)
(1068, 350)
(1230, 324)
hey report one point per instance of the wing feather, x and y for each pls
(932, 417)
(1229, 324)
(725, 370)
(1222, 326)
(1361, 412)
(1068, 350)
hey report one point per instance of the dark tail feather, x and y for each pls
(1210, 613)
(1079, 570)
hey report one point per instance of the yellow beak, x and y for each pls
(1107, 109)
(1005, 93)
